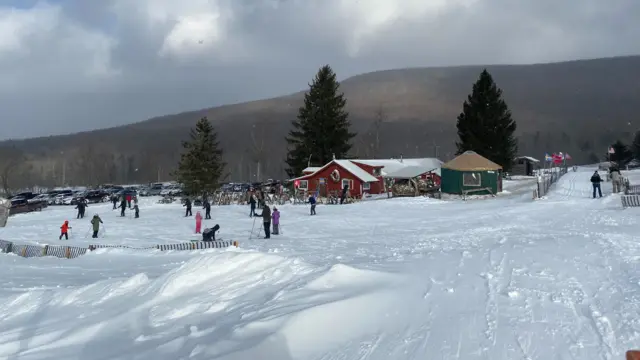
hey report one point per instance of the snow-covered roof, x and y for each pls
(311, 169)
(403, 168)
(529, 158)
(354, 169)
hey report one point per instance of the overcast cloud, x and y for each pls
(74, 65)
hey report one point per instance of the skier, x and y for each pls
(207, 209)
(123, 206)
(312, 201)
(616, 180)
(198, 222)
(276, 221)
(64, 230)
(96, 221)
(187, 203)
(595, 181)
(344, 194)
(81, 206)
(266, 219)
(114, 200)
(136, 211)
(252, 203)
(128, 198)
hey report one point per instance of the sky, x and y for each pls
(76, 65)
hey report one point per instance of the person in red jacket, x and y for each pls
(198, 222)
(64, 230)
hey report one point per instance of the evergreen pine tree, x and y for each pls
(635, 146)
(622, 155)
(201, 166)
(485, 124)
(321, 128)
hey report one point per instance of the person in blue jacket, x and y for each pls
(312, 201)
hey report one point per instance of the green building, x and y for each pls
(471, 174)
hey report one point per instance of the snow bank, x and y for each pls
(243, 303)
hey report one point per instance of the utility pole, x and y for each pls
(435, 149)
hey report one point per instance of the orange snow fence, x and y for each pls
(71, 252)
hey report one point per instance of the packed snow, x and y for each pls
(418, 278)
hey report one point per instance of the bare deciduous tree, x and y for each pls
(257, 148)
(11, 160)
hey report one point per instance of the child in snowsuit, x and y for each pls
(95, 222)
(123, 206)
(64, 230)
(198, 222)
(276, 221)
(312, 201)
(114, 200)
(136, 210)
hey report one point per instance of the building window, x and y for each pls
(471, 179)
(304, 184)
(366, 186)
(346, 182)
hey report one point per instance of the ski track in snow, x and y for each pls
(504, 278)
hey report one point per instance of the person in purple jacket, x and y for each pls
(276, 221)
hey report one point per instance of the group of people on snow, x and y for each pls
(95, 225)
(616, 180)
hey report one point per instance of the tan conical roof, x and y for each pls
(471, 161)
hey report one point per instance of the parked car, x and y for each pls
(20, 205)
(96, 196)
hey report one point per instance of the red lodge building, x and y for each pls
(364, 176)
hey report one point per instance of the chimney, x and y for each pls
(334, 156)
(400, 157)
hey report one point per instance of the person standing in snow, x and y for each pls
(64, 230)
(123, 206)
(276, 221)
(616, 180)
(344, 194)
(136, 211)
(252, 203)
(81, 208)
(198, 222)
(187, 203)
(266, 220)
(207, 209)
(595, 182)
(95, 222)
(114, 200)
(312, 201)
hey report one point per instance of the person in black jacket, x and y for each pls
(82, 205)
(123, 206)
(187, 203)
(266, 221)
(207, 209)
(595, 181)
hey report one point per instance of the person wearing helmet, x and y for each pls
(64, 230)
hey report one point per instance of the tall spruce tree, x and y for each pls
(201, 166)
(485, 124)
(622, 154)
(321, 128)
(635, 146)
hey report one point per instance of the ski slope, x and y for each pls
(505, 278)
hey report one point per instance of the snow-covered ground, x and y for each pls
(503, 278)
